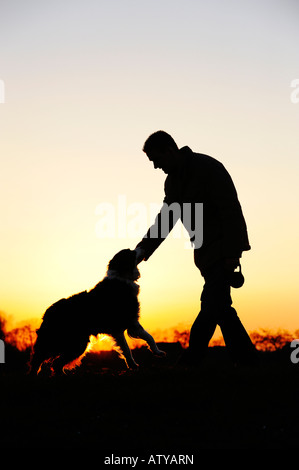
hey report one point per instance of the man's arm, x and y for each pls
(156, 234)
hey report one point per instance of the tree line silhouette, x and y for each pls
(22, 338)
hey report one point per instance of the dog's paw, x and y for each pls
(160, 353)
(133, 366)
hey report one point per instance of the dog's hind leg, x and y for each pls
(123, 345)
(41, 352)
(137, 331)
(35, 363)
(60, 362)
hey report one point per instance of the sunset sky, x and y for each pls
(85, 83)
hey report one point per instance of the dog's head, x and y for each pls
(123, 264)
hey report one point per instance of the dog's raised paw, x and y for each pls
(160, 353)
(134, 366)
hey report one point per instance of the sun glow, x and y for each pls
(72, 129)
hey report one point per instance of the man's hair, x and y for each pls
(159, 140)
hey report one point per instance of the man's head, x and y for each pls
(162, 150)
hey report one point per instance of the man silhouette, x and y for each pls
(196, 178)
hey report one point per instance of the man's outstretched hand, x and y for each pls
(140, 254)
(232, 263)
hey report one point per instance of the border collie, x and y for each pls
(111, 307)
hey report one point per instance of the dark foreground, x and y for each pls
(161, 409)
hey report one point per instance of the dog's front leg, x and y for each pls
(137, 331)
(123, 345)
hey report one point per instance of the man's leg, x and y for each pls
(203, 327)
(201, 333)
(236, 338)
(216, 309)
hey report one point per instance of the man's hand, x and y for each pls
(140, 253)
(232, 263)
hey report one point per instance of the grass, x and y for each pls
(162, 408)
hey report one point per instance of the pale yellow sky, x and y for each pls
(85, 83)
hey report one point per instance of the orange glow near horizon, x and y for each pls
(92, 83)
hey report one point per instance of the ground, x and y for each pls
(163, 408)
